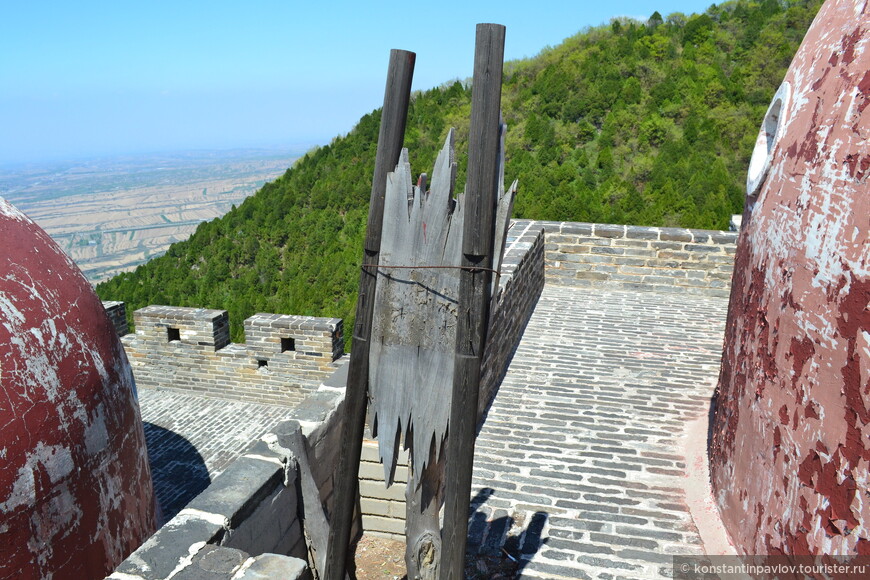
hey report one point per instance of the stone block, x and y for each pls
(641, 233)
(675, 235)
(240, 489)
(271, 566)
(703, 248)
(609, 231)
(180, 538)
(377, 489)
(591, 276)
(375, 507)
(212, 562)
(724, 237)
(607, 250)
(580, 229)
(383, 525)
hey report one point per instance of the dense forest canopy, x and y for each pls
(648, 123)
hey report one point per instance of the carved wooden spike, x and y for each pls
(411, 356)
(412, 350)
(503, 211)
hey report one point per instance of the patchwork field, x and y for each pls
(112, 215)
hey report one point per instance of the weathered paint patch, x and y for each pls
(75, 485)
(791, 433)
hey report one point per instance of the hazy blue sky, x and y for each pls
(100, 77)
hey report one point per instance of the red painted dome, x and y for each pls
(790, 452)
(75, 486)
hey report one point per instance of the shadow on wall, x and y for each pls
(177, 470)
(502, 547)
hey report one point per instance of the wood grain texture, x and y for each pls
(393, 119)
(413, 327)
(412, 351)
(475, 286)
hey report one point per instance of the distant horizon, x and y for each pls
(97, 79)
(295, 150)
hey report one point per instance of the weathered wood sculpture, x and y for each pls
(422, 317)
(412, 352)
(411, 356)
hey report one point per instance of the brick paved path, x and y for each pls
(192, 439)
(579, 470)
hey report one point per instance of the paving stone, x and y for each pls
(192, 439)
(588, 422)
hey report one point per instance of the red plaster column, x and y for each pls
(75, 485)
(791, 435)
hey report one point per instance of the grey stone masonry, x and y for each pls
(117, 313)
(248, 522)
(283, 359)
(638, 257)
(208, 330)
(295, 338)
(580, 468)
(520, 284)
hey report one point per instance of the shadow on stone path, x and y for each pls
(580, 467)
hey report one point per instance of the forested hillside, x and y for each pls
(648, 123)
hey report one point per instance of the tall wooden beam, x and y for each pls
(394, 115)
(475, 285)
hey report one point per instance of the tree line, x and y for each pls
(647, 123)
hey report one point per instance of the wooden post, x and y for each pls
(397, 97)
(475, 284)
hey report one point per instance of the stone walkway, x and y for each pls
(580, 467)
(192, 439)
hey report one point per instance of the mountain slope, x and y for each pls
(646, 123)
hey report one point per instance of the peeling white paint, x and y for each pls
(186, 561)
(189, 513)
(23, 491)
(96, 434)
(10, 211)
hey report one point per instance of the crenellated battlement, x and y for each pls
(282, 360)
(288, 359)
(285, 357)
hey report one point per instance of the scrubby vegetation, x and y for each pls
(648, 123)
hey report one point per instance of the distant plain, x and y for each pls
(112, 214)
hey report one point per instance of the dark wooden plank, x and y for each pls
(414, 323)
(423, 500)
(475, 287)
(397, 95)
(314, 523)
(414, 336)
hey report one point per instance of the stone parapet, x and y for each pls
(295, 338)
(283, 359)
(117, 313)
(249, 517)
(639, 258)
(520, 285)
(200, 327)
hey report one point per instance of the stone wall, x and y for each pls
(248, 518)
(639, 258)
(249, 510)
(283, 358)
(117, 313)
